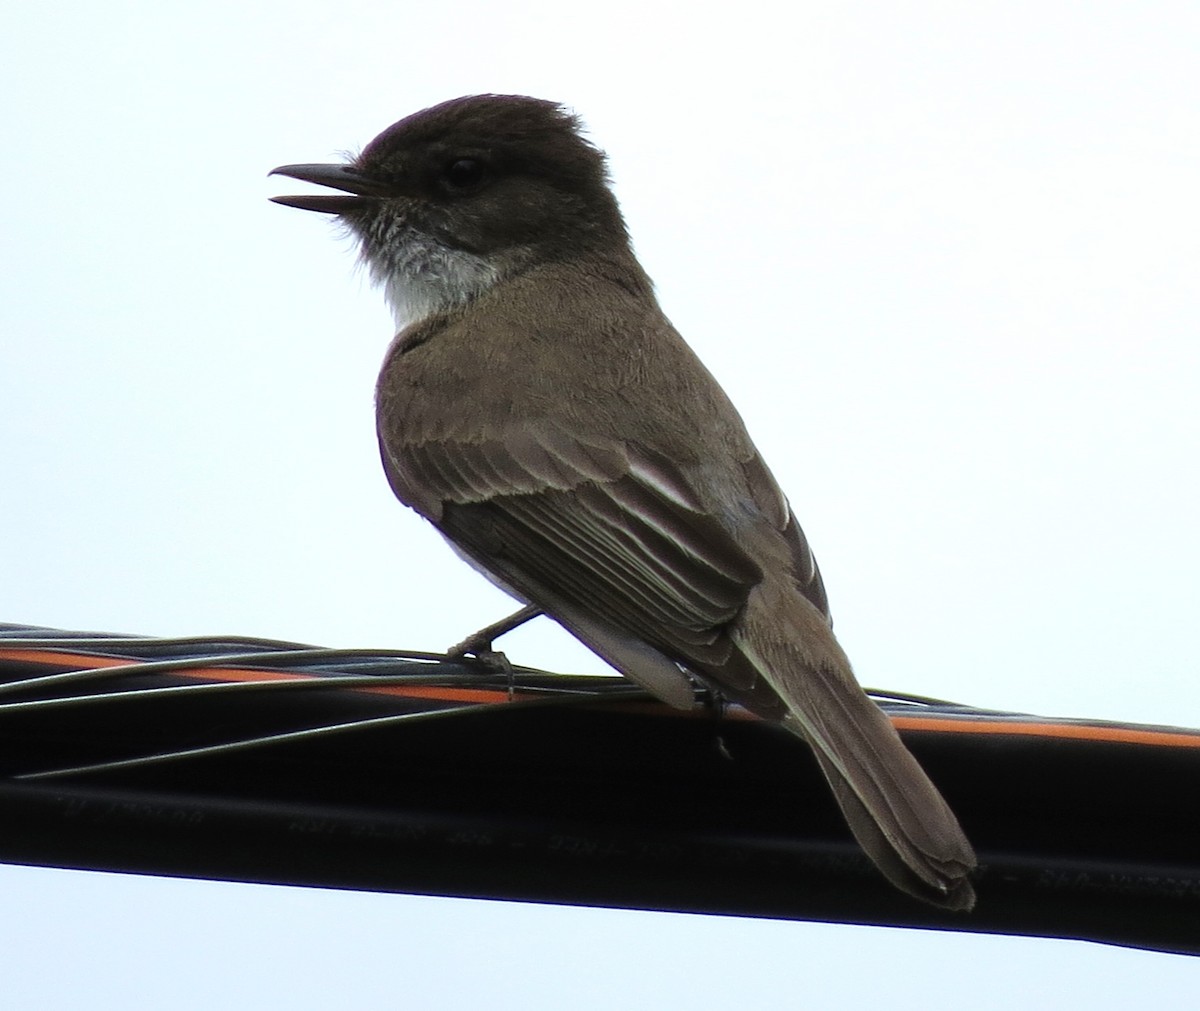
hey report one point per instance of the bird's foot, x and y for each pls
(479, 644)
(717, 704)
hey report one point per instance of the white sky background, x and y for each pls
(944, 257)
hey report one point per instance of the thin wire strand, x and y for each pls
(347, 681)
(294, 735)
(281, 657)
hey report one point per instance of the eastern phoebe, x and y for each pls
(539, 409)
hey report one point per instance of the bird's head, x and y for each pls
(450, 200)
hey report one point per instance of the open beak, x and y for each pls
(338, 177)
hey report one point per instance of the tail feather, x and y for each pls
(950, 888)
(894, 810)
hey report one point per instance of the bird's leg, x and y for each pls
(479, 644)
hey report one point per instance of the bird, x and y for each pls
(539, 409)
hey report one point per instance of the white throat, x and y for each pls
(420, 276)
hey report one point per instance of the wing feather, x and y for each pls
(603, 526)
(769, 497)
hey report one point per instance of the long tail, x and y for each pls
(895, 812)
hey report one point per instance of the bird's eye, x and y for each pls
(464, 173)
